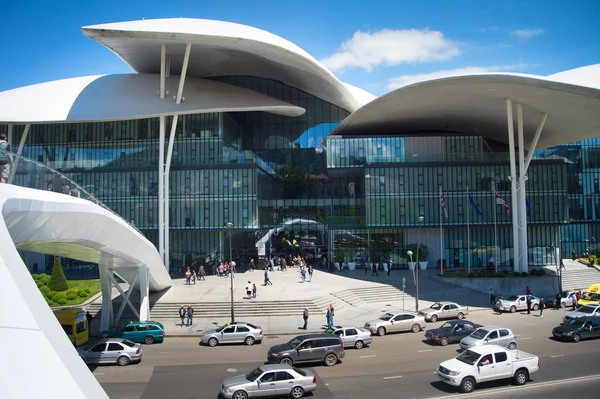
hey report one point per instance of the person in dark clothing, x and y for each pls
(190, 315)
(542, 306)
(182, 315)
(573, 255)
(89, 318)
(305, 317)
(558, 301)
(528, 304)
(374, 270)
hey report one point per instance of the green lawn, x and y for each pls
(93, 285)
(79, 291)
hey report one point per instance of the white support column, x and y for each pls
(168, 66)
(144, 294)
(186, 60)
(513, 181)
(106, 315)
(161, 189)
(167, 194)
(522, 209)
(19, 152)
(163, 61)
(536, 138)
(126, 296)
(10, 134)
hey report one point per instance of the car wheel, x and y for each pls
(359, 344)
(331, 360)
(149, 340)
(576, 338)
(416, 328)
(240, 395)
(123, 361)
(444, 341)
(381, 331)
(536, 307)
(297, 392)
(460, 316)
(249, 341)
(286, 360)
(213, 342)
(467, 385)
(434, 318)
(513, 309)
(563, 305)
(521, 377)
(512, 346)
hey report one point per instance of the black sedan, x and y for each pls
(451, 332)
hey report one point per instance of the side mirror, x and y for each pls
(487, 340)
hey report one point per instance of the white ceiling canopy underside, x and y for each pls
(223, 49)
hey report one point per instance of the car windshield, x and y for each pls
(447, 325)
(329, 331)
(128, 343)
(512, 298)
(590, 297)
(565, 294)
(299, 371)
(479, 333)
(254, 374)
(220, 328)
(90, 345)
(386, 317)
(587, 309)
(468, 357)
(436, 306)
(251, 326)
(295, 342)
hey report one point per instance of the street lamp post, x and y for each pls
(231, 266)
(410, 254)
(421, 219)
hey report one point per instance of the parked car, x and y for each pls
(147, 332)
(444, 310)
(566, 299)
(487, 363)
(326, 348)
(238, 332)
(583, 311)
(111, 350)
(591, 296)
(514, 303)
(352, 336)
(451, 332)
(577, 329)
(396, 321)
(270, 380)
(490, 336)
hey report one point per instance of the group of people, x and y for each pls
(330, 315)
(186, 312)
(500, 303)
(251, 290)
(6, 159)
(191, 276)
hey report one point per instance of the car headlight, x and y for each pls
(275, 354)
(454, 373)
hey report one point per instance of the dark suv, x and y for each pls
(147, 332)
(326, 348)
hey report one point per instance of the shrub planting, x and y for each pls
(58, 282)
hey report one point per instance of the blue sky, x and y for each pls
(376, 45)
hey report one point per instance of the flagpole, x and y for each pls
(468, 234)
(497, 258)
(441, 238)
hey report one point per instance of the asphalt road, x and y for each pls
(395, 366)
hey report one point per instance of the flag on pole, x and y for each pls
(443, 204)
(500, 201)
(472, 202)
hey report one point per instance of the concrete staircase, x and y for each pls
(578, 276)
(375, 294)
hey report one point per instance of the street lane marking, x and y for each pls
(522, 387)
(164, 352)
(327, 384)
(557, 356)
(392, 377)
(521, 339)
(425, 350)
(532, 324)
(99, 373)
(365, 356)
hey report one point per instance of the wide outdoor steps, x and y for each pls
(579, 276)
(375, 294)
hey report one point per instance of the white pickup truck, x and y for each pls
(487, 363)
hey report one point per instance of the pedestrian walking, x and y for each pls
(310, 273)
(500, 305)
(253, 290)
(573, 255)
(249, 290)
(527, 291)
(528, 303)
(202, 273)
(251, 264)
(190, 315)
(194, 277)
(267, 279)
(303, 274)
(557, 303)
(305, 317)
(573, 297)
(332, 311)
(374, 270)
(389, 267)
(492, 297)
(542, 306)
(182, 315)
(328, 317)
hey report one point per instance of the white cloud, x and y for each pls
(490, 29)
(527, 33)
(401, 81)
(367, 50)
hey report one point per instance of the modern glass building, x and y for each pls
(294, 184)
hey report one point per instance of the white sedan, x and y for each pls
(352, 336)
(514, 303)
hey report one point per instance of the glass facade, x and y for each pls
(290, 187)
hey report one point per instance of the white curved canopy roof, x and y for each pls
(221, 49)
(129, 96)
(476, 104)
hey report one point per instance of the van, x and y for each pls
(74, 322)
(325, 348)
(591, 296)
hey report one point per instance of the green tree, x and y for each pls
(58, 282)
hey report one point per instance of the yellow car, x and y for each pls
(591, 296)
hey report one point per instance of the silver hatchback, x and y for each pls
(238, 332)
(490, 336)
(352, 336)
(111, 350)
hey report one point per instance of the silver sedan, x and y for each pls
(238, 332)
(270, 380)
(111, 350)
(396, 321)
(514, 303)
(444, 310)
(352, 336)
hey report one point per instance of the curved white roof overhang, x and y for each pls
(476, 104)
(129, 96)
(222, 49)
